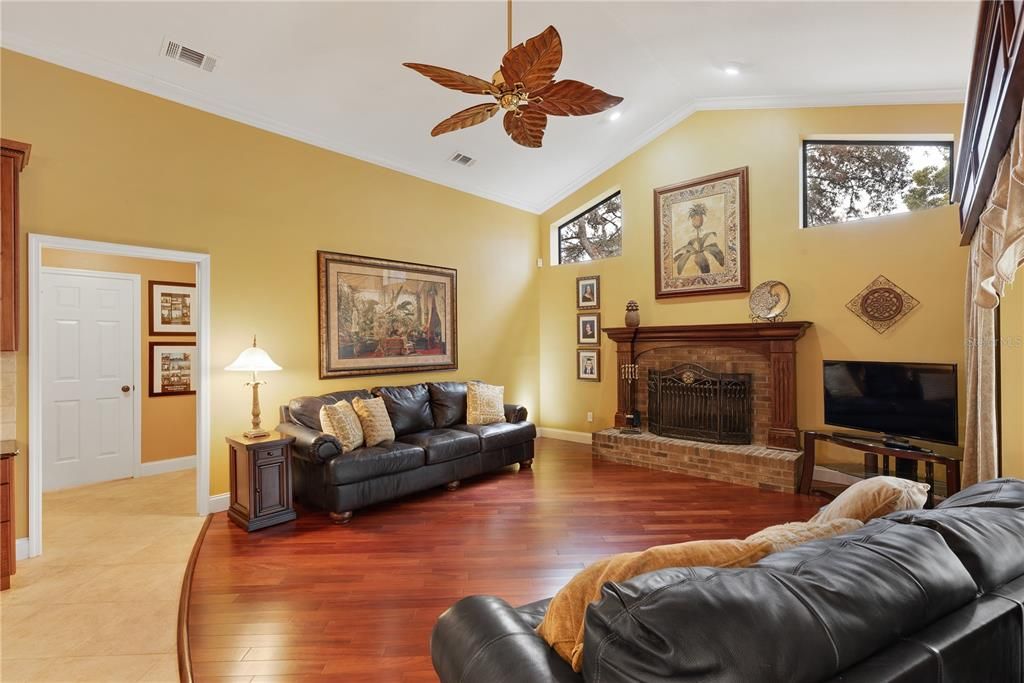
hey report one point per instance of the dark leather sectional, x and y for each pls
(915, 597)
(433, 446)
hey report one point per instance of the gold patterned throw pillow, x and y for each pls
(373, 416)
(875, 497)
(340, 420)
(485, 403)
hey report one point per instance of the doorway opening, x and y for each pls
(118, 367)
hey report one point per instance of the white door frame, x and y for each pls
(36, 244)
(136, 282)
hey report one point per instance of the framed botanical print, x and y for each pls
(588, 329)
(702, 236)
(172, 368)
(379, 316)
(172, 308)
(588, 365)
(588, 291)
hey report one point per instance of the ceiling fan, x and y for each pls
(524, 87)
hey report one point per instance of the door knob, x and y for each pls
(125, 388)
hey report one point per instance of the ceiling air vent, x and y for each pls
(462, 160)
(189, 55)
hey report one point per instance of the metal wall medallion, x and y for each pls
(882, 304)
(769, 301)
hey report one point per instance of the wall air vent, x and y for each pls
(175, 50)
(462, 160)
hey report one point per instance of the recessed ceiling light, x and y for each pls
(615, 116)
(731, 70)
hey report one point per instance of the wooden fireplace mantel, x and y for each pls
(776, 341)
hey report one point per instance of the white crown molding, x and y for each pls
(947, 96)
(137, 80)
(114, 72)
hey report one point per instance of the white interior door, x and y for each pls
(88, 350)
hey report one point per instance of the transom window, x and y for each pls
(848, 180)
(594, 234)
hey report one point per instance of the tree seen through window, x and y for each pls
(594, 234)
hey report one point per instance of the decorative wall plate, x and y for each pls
(769, 301)
(882, 304)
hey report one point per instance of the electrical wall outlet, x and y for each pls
(590, 416)
(540, 262)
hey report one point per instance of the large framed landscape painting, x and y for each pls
(701, 236)
(379, 316)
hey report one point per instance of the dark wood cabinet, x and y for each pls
(8, 564)
(13, 158)
(261, 480)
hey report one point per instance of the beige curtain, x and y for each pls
(997, 251)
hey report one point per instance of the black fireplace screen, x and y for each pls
(691, 402)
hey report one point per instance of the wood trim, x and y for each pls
(741, 174)
(723, 332)
(14, 157)
(994, 96)
(17, 150)
(184, 650)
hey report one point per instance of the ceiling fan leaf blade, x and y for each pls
(465, 119)
(454, 79)
(527, 128)
(572, 98)
(534, 62)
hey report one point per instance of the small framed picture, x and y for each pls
(588, 329)
(172, 308)
(588, 365)
(588, 292)
(172, 368)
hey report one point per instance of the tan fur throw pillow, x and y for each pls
(786, 536)
(485, 403)
(340, 420)
(874, 497)
(373, 416)
(562, 627)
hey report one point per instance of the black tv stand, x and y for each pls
(906, 460)
(894, 442)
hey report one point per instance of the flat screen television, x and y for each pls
(909, 400)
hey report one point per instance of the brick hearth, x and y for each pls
(750, 465)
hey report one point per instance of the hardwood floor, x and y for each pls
(312, 601)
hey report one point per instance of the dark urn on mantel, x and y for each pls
(632, 314)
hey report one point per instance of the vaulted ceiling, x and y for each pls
(330, 74)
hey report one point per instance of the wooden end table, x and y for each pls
(871, 450)
(261, 480)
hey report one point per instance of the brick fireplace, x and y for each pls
(760, 357)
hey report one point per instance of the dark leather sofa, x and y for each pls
(433, 446)
(915, 597)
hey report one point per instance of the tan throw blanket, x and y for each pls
(562, 626)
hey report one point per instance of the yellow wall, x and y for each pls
(168, 422)
(113, 164)
(1011, 322)
(824, 267)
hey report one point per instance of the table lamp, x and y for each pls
(254, 359)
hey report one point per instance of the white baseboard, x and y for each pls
(148, 469)
(21, 549)
(565, 435)
(220, 502)
(833, 476)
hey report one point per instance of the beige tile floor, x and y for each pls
(101, 602)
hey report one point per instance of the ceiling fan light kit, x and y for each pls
(524, 87)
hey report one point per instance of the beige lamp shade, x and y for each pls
(253, 359)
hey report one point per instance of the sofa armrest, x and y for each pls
(515, 413)
(482, 639)
(311, 445)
